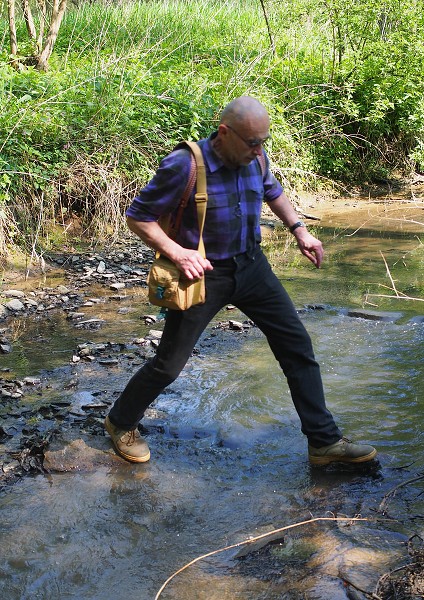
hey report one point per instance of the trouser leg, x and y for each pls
(252, 286)
(181, 332)
(260, 295)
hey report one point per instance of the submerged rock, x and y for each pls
(79, 456)
(375, 315)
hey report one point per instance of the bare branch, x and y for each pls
(268, 28)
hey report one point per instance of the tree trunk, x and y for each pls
(59, 7)
(43, 17)
(12, 28)
(26, 9)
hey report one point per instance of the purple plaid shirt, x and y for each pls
(235, 199)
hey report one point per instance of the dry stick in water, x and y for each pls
(255, 539)
(391, 493)
(399, 295)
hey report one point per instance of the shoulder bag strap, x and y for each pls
(201, 196)
(197, 172)
(172, 231)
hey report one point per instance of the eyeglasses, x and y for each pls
(250, 143)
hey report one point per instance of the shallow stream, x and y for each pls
(228, 460)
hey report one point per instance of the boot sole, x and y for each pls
(326, 460)
(134, 459)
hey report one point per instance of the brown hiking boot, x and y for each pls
(342, 451)
(128, 444)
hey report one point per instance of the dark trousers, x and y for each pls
(249, 283)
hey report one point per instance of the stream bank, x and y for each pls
(228, 461)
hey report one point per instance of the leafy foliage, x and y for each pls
(128, 81)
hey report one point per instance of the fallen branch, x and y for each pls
(398, 295)
(371, 595)
(254, 539)
(401, 297)
(410, 568)
(392, 492)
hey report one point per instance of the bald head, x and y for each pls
(242, 109)
(242, 131)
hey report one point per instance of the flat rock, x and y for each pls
(117, 286)
(79, 456)
(417, 319)
(15, 305)
(375, 315)
(13, 294)
(62, 289)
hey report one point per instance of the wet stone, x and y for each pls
(236, 325)
(7, 468)
(108, 362)
(418, 319)
(375, 315)
(79, 456)
(32, 380)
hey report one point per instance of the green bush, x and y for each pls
(126, 82)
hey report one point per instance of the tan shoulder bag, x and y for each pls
(167, 285)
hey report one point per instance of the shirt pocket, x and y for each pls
(223, 211)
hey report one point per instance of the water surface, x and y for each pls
(228, 459)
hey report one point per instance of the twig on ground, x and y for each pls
(255, 539)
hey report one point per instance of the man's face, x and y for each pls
(242, 142)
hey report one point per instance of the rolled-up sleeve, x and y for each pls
(163, 193)
(272, 188)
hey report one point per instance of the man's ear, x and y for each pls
(223, 129)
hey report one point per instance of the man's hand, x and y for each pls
(191, 263)
(309, 245)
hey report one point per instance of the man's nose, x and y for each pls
(258, 150)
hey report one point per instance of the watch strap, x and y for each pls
(296, 225)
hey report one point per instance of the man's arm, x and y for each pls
(189, 262)
(310, 246)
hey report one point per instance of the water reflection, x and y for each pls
(228, 460)
(229, 463)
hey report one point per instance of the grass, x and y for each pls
(127, 82)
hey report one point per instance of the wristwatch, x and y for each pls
(296, 225)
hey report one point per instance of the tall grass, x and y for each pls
(128, 81)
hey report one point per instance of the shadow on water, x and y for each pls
(228, 460)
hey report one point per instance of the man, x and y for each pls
(236, 271)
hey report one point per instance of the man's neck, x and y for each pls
(216, 147)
